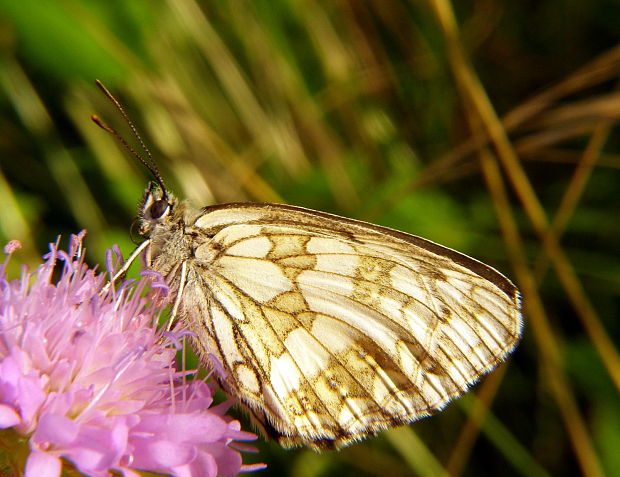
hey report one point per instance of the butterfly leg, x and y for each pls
(179, 297)
(123, 270)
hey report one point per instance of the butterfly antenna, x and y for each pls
(150, 163)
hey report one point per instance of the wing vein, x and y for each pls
(326, 409)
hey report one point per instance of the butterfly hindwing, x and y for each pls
(329, 329)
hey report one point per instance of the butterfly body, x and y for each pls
(328, 329)
(325, 329)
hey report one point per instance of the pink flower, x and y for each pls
(86, 377)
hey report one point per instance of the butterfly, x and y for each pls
(325, 329)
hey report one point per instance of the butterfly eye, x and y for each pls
(158, 209)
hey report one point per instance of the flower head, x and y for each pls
(86, 376)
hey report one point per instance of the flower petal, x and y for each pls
(40, 464)
(59, 430)
(8, 417)
(204, 465)
(168, 454)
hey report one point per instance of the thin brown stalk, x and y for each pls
(470, 431)
(574, 190)
(604, 67)
(476, 96)
(474, 91)
(547, 344)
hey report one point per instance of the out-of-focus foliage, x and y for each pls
(378, 110)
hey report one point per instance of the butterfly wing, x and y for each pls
(329, 329)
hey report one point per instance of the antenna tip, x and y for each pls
(104, 89)
(99, 122)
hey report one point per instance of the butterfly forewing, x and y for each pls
(329, 329)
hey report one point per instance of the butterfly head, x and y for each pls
(157, 207)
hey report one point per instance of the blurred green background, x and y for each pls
(489, 129)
